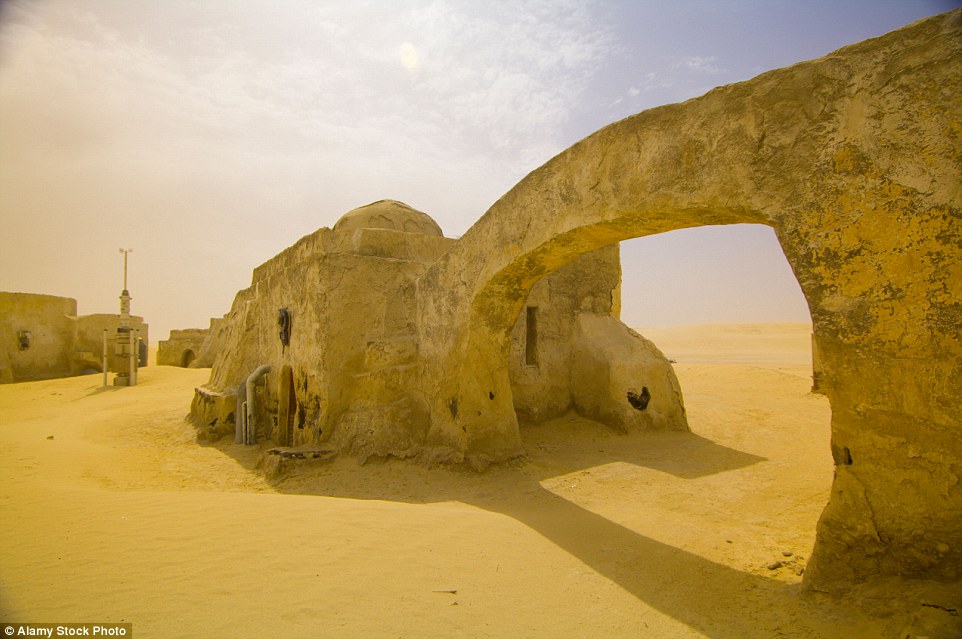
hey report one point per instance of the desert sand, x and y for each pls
(112, 512)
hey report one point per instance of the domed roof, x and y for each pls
(391, 215)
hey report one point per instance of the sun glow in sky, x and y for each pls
(209, 135)
(409, 56)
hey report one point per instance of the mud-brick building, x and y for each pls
(42, 337)
(182, 348)
(325, 346)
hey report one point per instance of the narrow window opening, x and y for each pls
(531, 336)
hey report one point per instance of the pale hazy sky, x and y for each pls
(209, 135)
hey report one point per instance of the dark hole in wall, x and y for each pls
(284, 326)
(640, 400)
(841, 455)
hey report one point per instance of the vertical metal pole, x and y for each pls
(246, 425)
(125, 251)
(132, 371)
(105, 357)
(135, 351)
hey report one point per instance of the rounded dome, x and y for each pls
(391, 215)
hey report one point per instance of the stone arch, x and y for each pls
(854, 160)
(187, 357)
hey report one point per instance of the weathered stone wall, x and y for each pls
(541, 387)
(621, 379)
(569, 350)
(214, 342)
(182, 347)
(47, 318)
(349, 295)
(855, 160)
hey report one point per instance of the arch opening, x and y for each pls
(735, 273)
(746, 260)
(187, 357)
(747, 386)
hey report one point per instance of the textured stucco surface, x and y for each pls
(182, 347)
(47, 319)
(391, 215)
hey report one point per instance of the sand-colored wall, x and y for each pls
(214, 342)
(613, 367)
(855, 160)
(349, 295)
(182, 347)
(62, 343)
(543, 388)
(48, 319)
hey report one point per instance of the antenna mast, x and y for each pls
(125, 295)
(125, 252)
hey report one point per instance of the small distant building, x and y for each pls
(42, 337)
(182, 347)
(193, 347)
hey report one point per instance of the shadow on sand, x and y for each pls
(733, 604)
(751, 605)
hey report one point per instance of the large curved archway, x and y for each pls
(856, 166)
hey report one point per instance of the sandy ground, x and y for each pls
(110, 511)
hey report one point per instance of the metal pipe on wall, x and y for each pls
(105, 357)
(245, 429)
(132, 371)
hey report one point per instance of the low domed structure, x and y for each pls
(391, 215)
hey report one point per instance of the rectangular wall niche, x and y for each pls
(531, 336)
